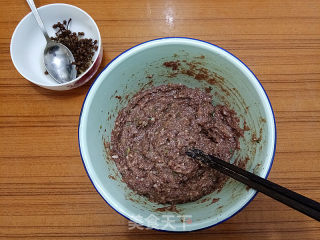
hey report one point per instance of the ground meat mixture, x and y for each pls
(154, 130)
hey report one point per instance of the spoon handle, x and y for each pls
(38, 19)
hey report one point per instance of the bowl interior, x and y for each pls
(233, 85)
(28, 42)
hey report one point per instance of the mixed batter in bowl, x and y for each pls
(153, 132)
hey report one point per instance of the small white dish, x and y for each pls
(28, 43)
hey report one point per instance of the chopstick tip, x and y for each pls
(194, 153)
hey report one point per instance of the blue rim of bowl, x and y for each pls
(274, 120)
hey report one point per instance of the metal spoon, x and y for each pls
(58, 58)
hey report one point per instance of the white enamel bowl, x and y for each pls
(126, 75)
(28, 43)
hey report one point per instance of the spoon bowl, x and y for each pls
(58, 60)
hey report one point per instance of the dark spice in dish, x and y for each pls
(83, 49)
(152, 133)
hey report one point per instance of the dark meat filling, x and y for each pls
(154, 130)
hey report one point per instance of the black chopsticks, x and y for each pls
(292, 199)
